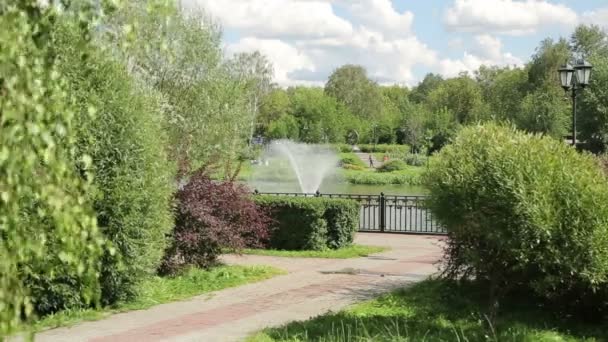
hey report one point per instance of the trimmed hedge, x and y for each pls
(352, 162)
(523, 212)
(305, 223)
(342, 218)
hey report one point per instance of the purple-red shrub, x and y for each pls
(212, 216)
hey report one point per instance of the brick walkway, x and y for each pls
(312, 287)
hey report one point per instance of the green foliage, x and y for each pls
(209, 102)
(461, 96)
(342, 218)
(593, 107)
(350, 85)
(310, 223)
(285, 127)
(438, 310)
(410, 176)
(133, 176)
(415, 160)
(45, 218)
(351, 161)
(298, 222)
(393, 165)
(522, 211)
(384, 148)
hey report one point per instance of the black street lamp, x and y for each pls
(575, 78)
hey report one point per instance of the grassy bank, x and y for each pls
(437, 311)
(353, 251)
(159, 290)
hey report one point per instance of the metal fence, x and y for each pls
(386, 213)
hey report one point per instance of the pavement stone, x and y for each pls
(311, 287)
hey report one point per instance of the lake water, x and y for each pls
(341, 188)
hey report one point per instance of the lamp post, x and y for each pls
(574, 79)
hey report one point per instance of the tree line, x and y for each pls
(352, 108)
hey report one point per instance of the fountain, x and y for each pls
(288, 165)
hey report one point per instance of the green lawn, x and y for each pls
(158, 290)
(436, 310)
(353, 251)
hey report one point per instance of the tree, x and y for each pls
(593, 107)
(256, 72)
(429, 83)
(321, 118)
(208, 103)
(274, 105)
(44, 214)
(461, 96)
(505, 92)
(587, 41)
(543, 111)
(350, 85)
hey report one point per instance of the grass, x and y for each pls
(159, 290)
(436, 310)
(353, 251)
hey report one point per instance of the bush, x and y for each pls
(381, 178)
(311, 223)
(393, 165)
(343, 148)
(351, 161)
(522, 211)
(133, 177)
(415, 160)
(211, 217)
(385, 148)
(342, 218)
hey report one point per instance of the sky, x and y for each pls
(397, 41)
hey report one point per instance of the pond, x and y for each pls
(341, 188)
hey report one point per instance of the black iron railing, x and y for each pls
(385, 213)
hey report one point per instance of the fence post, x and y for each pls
(382, 212)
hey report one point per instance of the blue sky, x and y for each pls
(398, 41)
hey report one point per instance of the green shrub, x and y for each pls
(44, 215)
(298, 222)
(310, 223)
(342, 218)
(351, 161)
(393, 165)
(522, 211)
(416, 159)
(385, 148)
(344, 148)
(409, 177)
(133, 177)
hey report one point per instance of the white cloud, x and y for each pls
(597, 17)
(284, 57)
(306, 39)
(271, 18)
(382, 16)
(507, 16)
(487, 50)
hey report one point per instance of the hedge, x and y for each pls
(523, 211)
(305, 223)
(133, 178)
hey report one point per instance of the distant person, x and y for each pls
(371, 161)
(385, 158)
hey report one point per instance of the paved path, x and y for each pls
(365, 158)
(311, 287)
